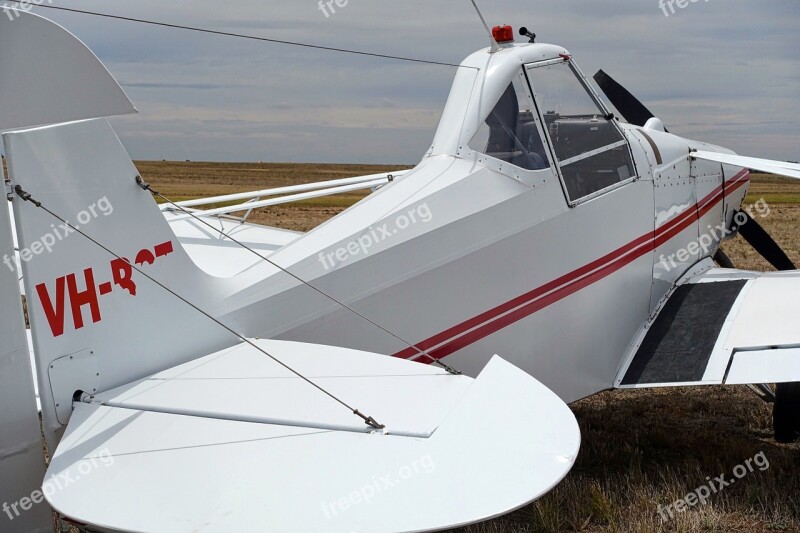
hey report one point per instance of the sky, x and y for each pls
(721, 71)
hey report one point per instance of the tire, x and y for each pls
(786, 413)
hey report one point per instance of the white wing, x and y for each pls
(781, 168)
(728, 327)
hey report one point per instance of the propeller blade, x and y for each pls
(764, 244)
(723, 260)
(628, 105)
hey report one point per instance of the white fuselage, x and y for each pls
(503, 263)
(512, 270)
(479, 250)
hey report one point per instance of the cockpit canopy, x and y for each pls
(510, 132)
(527, 106)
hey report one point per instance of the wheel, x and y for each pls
(786, 413)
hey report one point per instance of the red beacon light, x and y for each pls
(503, 34)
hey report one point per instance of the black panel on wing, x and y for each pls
(679, 344)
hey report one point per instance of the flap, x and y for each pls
(722, 327)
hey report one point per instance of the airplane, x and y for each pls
(196, 371)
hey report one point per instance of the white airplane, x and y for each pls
(538, 226)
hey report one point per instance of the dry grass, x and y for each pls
(783, 197)
(640, 448)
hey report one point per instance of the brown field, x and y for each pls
(640, 449)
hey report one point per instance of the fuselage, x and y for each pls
(537, 227)
(470, 255)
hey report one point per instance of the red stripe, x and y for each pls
(669, 230)
(533, 307)
(558, 289)
(520, 300)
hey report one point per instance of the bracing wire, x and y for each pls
(273, 41)
(370, 421)
(146, 186)
(240, 35)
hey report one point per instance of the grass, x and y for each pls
(782, 195)
(775, 190)
(641, 449)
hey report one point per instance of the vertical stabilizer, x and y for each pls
(97, 322)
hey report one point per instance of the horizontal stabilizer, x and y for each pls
(781, 168)
(195, 446)
(50, 77)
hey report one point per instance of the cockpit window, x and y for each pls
(591, 150)
(510, 132)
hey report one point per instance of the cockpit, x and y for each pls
(545, 112)
(510, 132)
(592, 152)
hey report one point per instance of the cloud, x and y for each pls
(156, 85)
(721, 71)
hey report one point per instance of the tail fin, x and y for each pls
(96, 322)
(48, 76)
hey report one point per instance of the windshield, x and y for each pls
(592, 152)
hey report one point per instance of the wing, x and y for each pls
(721, 327)
(781, 168)
(232, 442)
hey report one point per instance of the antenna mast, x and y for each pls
(494, 46)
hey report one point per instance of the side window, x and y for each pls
(510, 132)
(592, 153)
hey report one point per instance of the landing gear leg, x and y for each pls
(786, 413)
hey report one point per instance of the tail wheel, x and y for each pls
(786, 413)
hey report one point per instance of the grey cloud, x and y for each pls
(724, 71)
